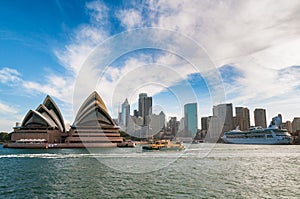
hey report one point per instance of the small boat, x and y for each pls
(125, 144)
(197, 141)
(164, 145)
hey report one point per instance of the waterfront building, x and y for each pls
(125, 114)
(224, 116)
(162, 119)
(134, 126)
(288, 126)
(181, 125)
(214, 129)
(145, 107)
(45, 123)
(173, 126)
(237, 122)
(139, 121)
(93, 126)
(43, 127)
(242, 118)
(119, 118)
(260, 117)
(204, 123)
(296, 124)
(190, 119)
(157, 123)
(204, 127)
(135, 113)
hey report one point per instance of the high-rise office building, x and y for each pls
(260, 117)
(243, 118)
(125, 113)
(224, 115)
(288, 126)
(135, 113)
(119, 118)
(156, 124)
(214, 129)
(181, 125)
(237, 122)
(204, 123)
(296, 124)
(163, 119)
(173, 126)
(145, 107)
(190, 119)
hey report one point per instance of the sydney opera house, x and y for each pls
(45, 127)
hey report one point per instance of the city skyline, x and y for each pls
(221, 114)
(44, 46)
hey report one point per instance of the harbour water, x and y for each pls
(201, 171)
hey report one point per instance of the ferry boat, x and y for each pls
(164, 145)
(257, 135)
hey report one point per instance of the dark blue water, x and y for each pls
(227, 171)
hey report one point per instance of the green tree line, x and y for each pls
(4, 137)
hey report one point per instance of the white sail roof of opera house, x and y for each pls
(93, 112)
(46, 115)
(34, 119)
(51, 106)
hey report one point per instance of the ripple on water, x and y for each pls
(229, 171)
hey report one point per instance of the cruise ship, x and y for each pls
(257, 135)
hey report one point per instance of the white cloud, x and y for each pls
(7, 109)
(131, 18)
(74, 54)
(6, 125)
(61, 86)
(54, 86)
(85, 38)
(9, 76)
(9, 114)
(142, 74)
(261, 38)
(57, 86)
(98, 11)
(230, 29)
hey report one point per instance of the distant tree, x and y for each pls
(4, 137)
(126, 136)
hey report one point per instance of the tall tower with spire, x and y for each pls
(125, 114)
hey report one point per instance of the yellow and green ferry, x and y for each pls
(163, 145)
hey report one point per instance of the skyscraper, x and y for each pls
(157, 124)
(125, 113)
(204, 123)
(190, 119)
(135, 113)
(224, 116)
(145, 107)
(288, 126)
(243, 118)
(214, 129)
(163, 119)
(296, 125)
(173, 126)
(260, 117)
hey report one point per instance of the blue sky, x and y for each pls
(253, 47)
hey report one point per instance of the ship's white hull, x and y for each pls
(257, 135)
(256, 140)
